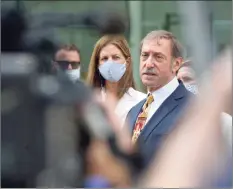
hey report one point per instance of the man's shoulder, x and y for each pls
(186, 96)
(182, 91)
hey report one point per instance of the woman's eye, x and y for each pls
(104, 58)
(116, 58)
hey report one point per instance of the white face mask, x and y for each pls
(192, 88)
(74, 74)
(112, 71)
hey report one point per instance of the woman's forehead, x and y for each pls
(186, 69)
(110, 49)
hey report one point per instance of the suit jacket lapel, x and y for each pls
(168, 105)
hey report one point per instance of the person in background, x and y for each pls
(110, 70)
(187, 75)
(67, 58)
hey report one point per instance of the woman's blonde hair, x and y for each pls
(94, 77)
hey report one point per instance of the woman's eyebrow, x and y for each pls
(103, 56)
(116, 55)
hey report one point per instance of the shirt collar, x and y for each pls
(166, 90)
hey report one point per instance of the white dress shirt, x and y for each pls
(161, 95)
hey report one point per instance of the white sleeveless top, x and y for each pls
(127, 101)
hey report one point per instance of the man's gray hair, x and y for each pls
(177, 49)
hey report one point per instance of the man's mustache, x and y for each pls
(149, 71)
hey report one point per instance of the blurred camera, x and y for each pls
(47, 120)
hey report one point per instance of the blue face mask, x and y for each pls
(112, 71)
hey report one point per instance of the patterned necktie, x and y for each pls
(141, 120)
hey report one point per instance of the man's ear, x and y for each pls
(176, 64)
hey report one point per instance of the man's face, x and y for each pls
(186, 75)
(67, 60)
(157, 67)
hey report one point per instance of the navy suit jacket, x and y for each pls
(160, 124)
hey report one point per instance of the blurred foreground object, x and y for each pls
(38, 126)
(48, 124)
(47, 121)
(187, 75)
(195, 25)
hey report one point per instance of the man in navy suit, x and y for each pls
(160, 58)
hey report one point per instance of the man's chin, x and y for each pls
(148, 83)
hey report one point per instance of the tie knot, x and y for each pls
(150, 99)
